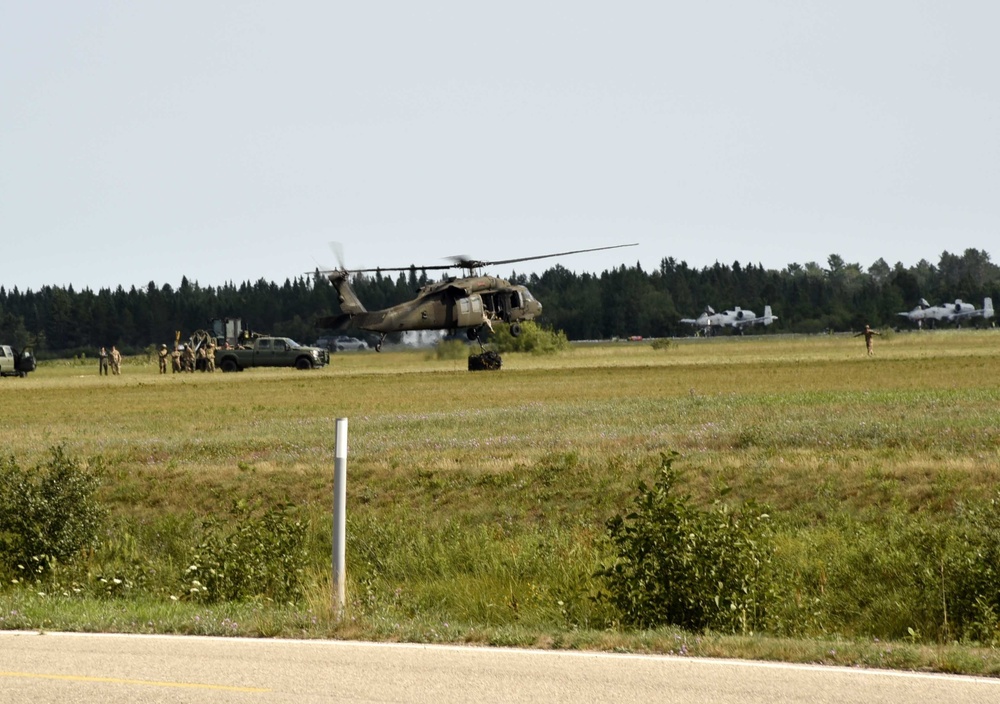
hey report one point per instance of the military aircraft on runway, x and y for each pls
(738, 319)
(948, 312)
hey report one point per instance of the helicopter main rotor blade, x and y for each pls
(477, 264)
(396, 268)
(463, 262)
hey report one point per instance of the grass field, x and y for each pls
(478, 501)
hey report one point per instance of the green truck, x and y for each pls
(271, 352)
(14, 363)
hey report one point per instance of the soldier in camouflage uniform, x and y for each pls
(163, 359)
(869, 339)
(210, 355)
(116, 361)
(188, 358)
(175, 360)
(202, 364)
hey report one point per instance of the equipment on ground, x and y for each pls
(487, 361)
(472, 302)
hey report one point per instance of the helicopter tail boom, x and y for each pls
(334, 322)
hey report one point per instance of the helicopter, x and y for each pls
(472, 302)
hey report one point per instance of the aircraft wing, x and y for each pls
(690, 321)
(747, 322)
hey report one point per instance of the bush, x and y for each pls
(248, 556)
(533, 338)
(970, 570)
(49, 514)
(678, 565)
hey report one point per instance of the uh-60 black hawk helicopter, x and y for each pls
(470, 302)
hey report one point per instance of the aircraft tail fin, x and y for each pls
(768, 318)
(988, 308)
(349, 301)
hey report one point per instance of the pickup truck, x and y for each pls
(14, 363)
(271, 352)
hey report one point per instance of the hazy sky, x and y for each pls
(232, 141)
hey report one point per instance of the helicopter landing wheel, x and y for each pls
(515, 329)
(472, 333)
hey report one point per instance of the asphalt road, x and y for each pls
(58, 667)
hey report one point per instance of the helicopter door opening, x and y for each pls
(499, 305)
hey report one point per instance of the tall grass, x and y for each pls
(478, 501)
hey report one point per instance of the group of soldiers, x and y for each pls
(109, 361)
(185, 358)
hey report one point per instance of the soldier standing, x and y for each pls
(869, 337)
(116, 361)
(102, 370)
(175, 360)
(188, 358)
(210, 355)
(202, 357)
(163, 359)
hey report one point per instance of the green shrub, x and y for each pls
(660, 343)
(533, 338)
(970, 572)
(678, 565)
(48, 514)
(246, 556)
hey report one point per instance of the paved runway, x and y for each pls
(58, 667)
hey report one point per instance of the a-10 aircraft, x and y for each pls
(948, 312)
(738, 319)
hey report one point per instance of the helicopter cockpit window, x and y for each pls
(515, 300)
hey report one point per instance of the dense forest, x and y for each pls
(619, 302)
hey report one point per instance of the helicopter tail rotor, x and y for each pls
(338, 252)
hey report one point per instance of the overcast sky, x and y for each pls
(232, 141)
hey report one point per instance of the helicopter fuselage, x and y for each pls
(452, 304)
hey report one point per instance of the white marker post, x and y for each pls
(339, 516)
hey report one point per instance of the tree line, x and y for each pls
(619, 302)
